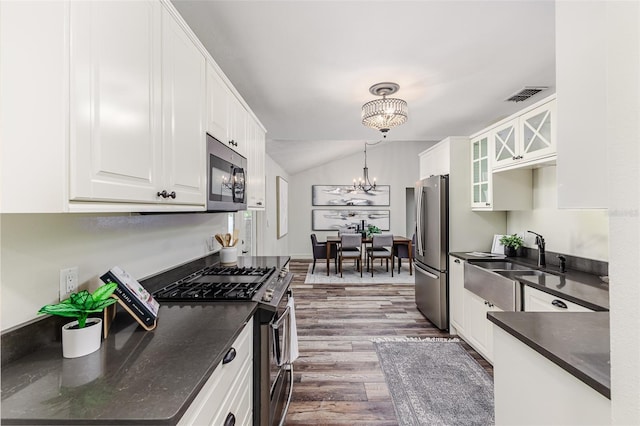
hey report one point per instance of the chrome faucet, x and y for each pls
(540, 243)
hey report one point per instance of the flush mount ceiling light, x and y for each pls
(383, 114)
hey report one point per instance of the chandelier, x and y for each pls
(363, 183)
(383, 114)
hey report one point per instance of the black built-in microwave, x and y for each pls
(226, 173)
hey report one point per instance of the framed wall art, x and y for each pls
(333, 220)
(347, 195)
(282, 195)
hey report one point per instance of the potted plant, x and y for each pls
(511, 244)
(84, 335)
(372, 229)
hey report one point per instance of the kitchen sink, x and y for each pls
(503, 266)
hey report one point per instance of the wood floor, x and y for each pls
(337, 378)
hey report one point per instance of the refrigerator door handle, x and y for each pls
(427, 273)
(419, 220)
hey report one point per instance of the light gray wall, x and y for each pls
(34, 247)
(268, 220)
(392, 163)
(583, 233)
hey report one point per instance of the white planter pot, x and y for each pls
(81, 341)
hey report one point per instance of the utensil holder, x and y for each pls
(229, 256)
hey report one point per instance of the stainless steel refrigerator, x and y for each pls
(432, 248)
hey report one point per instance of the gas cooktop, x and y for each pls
(217, 283)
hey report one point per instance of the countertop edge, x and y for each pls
(577, 373)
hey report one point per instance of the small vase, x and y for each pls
(229, 256)
(510, 251)
(78, 342)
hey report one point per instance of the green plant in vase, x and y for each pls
(511, 244)
(82, 336)
(372, 229)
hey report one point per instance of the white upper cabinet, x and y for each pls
(137, 106)
(581, 81)
(481, 194)
(217, 105)
(528, 139)
(256, 166)
(183, 116)
(115, 101)
(226, 116)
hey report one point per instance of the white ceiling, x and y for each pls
(305, 67)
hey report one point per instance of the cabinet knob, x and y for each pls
(165, 194)
(259, 203)
(230, 420)
(487, 204)
(457, 261)
(514, 158)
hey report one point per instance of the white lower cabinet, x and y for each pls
(529, 389)
(228, 393)
(456, 295)
(539, 301)
(477, 328)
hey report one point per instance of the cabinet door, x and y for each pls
(475, 322)
(537, 129)
(183, 89)
(255, 162)
(480, 174)
(115, 104)
(217, 105)
(456, 293)
(539, 301)
(237, 126)
(505, 144)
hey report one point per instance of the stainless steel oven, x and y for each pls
(276, 370)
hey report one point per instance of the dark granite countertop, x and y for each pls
(137, 376)
(146, 377)
(582, 288)
(578, 342)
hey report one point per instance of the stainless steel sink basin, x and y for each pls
(502, 266)
(518, 273)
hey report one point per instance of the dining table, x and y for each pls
(333, 240)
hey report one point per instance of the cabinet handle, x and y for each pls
(487, 204)
(559, 304)
(230, 420)
(514, 158)
(259, 203)
(230, 356)
(457, 261)
(233, 143)
(165, 194)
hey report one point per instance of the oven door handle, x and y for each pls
(280, 352)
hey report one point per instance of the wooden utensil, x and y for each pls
(219, 239)
(227, 239)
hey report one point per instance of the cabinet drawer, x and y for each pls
(211, 398)
(539, 301)
(238, 404)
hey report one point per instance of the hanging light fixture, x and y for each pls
(383, 114)
(363, 183)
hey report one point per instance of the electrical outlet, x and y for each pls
(68, 282)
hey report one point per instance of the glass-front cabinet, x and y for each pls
(480, 173)
(528, 138)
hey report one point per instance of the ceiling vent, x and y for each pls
(525, 93)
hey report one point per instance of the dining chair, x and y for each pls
(381, 248)
(350, 246)
(401, 251)
(320, 252)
